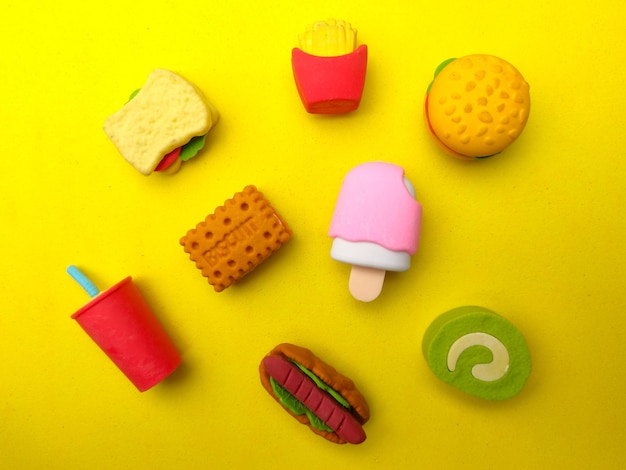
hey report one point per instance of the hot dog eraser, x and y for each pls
(329, 68)
(315, 394)
(476, 106)
(236, 238)
(477, 351)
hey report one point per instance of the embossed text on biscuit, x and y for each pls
(241, 234)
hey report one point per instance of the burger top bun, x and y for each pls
(477, 105)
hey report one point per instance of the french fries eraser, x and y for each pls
(329, 68)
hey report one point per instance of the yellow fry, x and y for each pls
(328, 38)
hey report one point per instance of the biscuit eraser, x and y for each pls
(166, 113)
(477, 351)
(329, 68)
(236, 238)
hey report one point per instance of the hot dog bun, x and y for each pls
(342, 417)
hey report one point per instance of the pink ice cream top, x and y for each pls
(374, 205)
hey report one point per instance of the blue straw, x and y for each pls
(83, 281)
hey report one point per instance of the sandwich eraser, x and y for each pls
(164, 123)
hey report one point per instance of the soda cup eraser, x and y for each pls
(122, 324)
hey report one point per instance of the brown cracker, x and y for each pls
(236, 238)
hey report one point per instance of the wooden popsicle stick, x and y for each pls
(365, 283)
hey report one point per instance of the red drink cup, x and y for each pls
(120, 321)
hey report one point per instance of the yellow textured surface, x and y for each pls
(535, 234)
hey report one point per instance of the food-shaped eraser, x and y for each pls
(163, 124)
(236, 238)
(121, 323)
(329, 68)
(477, 351)
(315, 393)
(476, 106)
(375, 226)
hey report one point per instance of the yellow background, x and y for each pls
(536, 234)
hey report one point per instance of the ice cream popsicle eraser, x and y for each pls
(329, 68)
(476, 106)
(477, 351)
(375, 226)
(122, 324)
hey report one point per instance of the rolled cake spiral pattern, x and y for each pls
(478, 352)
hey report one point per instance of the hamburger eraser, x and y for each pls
(163, 124)
(329, 68)
(315, 394)
(477, 351)
(477, 106)
(236, 238)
